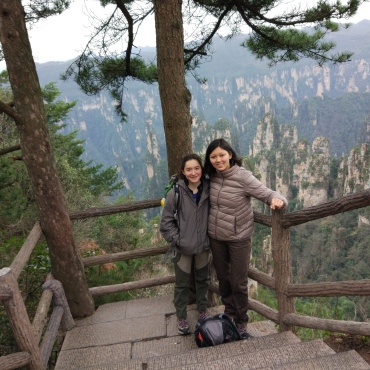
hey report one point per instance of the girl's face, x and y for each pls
(220, 159)
(192, 171)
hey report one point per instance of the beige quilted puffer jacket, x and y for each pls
(231, 213)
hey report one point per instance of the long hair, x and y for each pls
(186, 158)
(223, 144)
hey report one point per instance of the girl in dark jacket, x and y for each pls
(230, 225)
(185, 227)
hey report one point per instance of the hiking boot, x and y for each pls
(182, 327)
(203, 315)
(243, 333)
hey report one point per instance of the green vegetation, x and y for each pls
(333, 249)
(85, 185)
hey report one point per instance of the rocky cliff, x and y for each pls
(239, 96)
(302, 171)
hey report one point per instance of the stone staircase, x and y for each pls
(141, 334)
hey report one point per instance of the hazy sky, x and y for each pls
(62, 37)
(73, 33)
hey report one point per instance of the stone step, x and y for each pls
(181, 345)
(115, 332)
(198, 360)
(257, 328)
(90, 357)
(245, 354)
(142, 334)
(95, 348)
(178, 344)
(349, 360)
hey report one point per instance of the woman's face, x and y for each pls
(220, 159)
(192, 171)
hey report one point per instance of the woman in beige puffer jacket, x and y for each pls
(230, 224)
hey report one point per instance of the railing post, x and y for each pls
(282, 268)
(19, 320)
(59, 299)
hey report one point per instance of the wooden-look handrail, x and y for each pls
(124, 256)
(28, 335)
(14, 360)
(329, 289)
(336, 326)
(110, 210)
(40, 319)
(262, 278)
(281, 282)
(21, 259)
(341, 205)
(124, 287)
(254, 305)
(19, 320)
(50, 334)
(5, 290)
(262, 219)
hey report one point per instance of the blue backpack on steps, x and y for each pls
(215, 330)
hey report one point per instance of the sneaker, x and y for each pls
(203, 315)
(243, 333)
(182, 327)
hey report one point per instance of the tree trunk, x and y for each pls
(175, 97)
(29, 115)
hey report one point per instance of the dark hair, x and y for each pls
(186, 158)
(223, 144)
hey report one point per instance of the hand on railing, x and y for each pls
(277, 203)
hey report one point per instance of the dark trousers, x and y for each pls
(231, 261)
(183, 266)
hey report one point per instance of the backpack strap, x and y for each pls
(177, 203)
(234, 334)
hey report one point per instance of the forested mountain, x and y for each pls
(330, 101)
